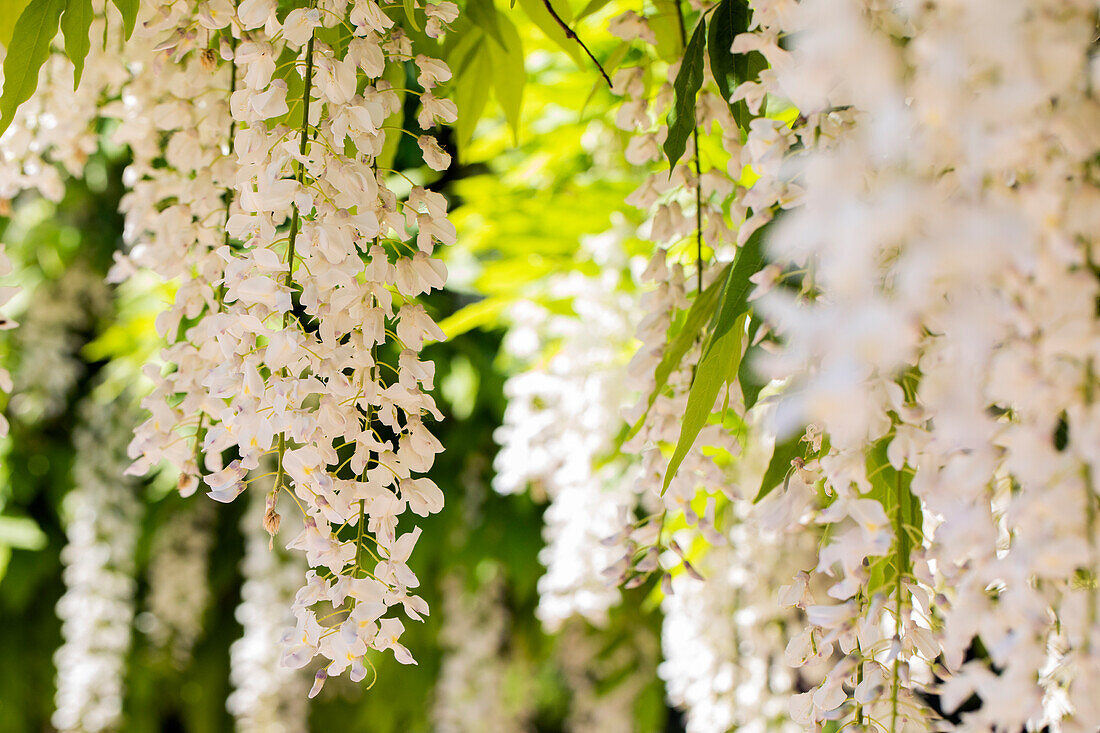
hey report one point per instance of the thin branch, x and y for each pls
(570, 33)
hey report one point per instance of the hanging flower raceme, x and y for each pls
(101, 524)
(298, 270)
(561, 421)
(266, 697)
(945, 343)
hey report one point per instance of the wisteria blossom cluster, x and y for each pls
(296, 269)
(561, 420)
(946, 336)
(266, 697)
(179, 593)
(101, 526)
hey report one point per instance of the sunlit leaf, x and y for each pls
(410, 13)
(10, 10)
(76, 23)
(129, 11)
(29, 49)
(721, 353)
(21, 533)
(484, 16)
(509, 75)
(891, 488)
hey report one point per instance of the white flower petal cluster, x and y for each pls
(266, 698)
(723, 639)
(561, 419)
(297, 271)
(948, 241)
(102, 515)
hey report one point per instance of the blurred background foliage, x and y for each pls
(539, 168)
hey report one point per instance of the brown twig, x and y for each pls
(570, 33)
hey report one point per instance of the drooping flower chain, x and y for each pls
(299, 268)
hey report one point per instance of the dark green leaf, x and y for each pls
(748, 377)
(891, 488)
(76, 22)
(722, 351)
(681, 119)
(129, 11)
(29, 49)
(779, 467)
(728, 19)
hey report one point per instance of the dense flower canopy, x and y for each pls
(788, 311)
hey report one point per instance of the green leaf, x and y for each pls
(722, 351)
(509, 75)
(21, 533)
(748, 379)
(10, 10)
(129, 10)
(475, 315)
(483, 14)
(730, 18)
(410, 13)
(891, 488)
(76, 22)
(537, 12)
(470, 91)
(779, 467)
(29, 49)
(681, 119)
(702, 309)
(666, 27)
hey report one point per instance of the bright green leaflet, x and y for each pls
(10, 10)
(721, 353)
(76, 22)
(891, 488)
(681, 119)
(29, 49)
(509, 75)
(129, 10)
